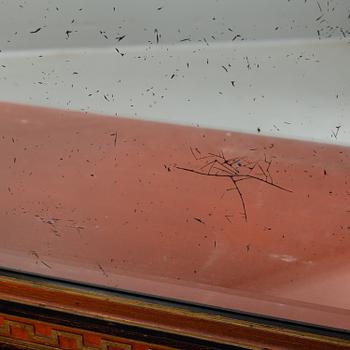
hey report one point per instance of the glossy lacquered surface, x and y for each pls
(154, 208)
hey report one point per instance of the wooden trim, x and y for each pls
(29, 333)
(137, 334)
(174, 320)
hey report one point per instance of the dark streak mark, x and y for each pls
(319, 6)
(43, 262)
(120, 53)
(248, 63)
(335, 134)
(242, 199)
(228, 218)
(120, 38)
(102, 269)
(35, 31)
(199, 220)
(115, 134)
(157, 35)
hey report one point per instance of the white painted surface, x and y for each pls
(175, 20)
(291, 72)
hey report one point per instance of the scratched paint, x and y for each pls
(217, 211)
(152, 207)
(85, 23)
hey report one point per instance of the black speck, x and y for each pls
(258, 129)
(35, 31)
(157, 35)
(120, 38)
(335, 134)
(167, 167)
(199, 220)
(120, 53)
(248, 63)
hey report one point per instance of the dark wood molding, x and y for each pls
(159, 322)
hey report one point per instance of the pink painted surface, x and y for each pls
(102, 201)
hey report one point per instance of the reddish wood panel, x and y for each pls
(121, 202)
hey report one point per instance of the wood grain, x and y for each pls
(163, 317)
